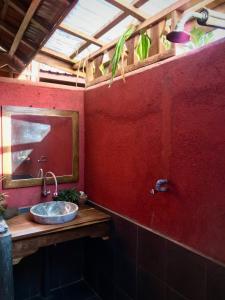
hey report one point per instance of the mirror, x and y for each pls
(37, 140)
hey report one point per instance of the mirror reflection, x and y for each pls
(36, 141)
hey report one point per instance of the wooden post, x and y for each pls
(6, 269)
(175, 16)
(154, 34)
(98, 62)
(89, 71)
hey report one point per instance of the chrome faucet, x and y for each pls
(45, 191)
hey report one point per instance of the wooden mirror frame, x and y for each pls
(7, 112)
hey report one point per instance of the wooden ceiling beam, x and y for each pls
(4, 9)
(56, 54)
(120, 17)
(31, 10)
(129, 9)
(9, 32)
(79, 34)
(142, 26)
(13, 62)
(55, 63)
(23, 13)
(200, 5)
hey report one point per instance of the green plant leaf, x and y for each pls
(199, 37)
(69, 195)
(143, 46)
(119, 50)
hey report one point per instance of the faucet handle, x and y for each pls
(46, 192)
(55, 195)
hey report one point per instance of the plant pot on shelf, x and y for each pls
(82, 199)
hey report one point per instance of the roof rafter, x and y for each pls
(199, 5)
(56, 54)
(79, 34)
(142, 26)
(129, 9)
(13, 62)
(4, 10)
(7, 30)
(23, 13)
(110, 25)
(31, 10)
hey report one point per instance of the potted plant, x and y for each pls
(71, 195)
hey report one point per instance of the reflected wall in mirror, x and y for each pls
(37, 140)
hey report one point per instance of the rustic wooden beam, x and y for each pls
(31, 10)
(150, 60)
(143, 26)
(4, 10)
(13, 62)
(23, 13)
(60, 77)
(80, 34)
(56, 54)
(200, 5)
(129, 9)
(12, 34)
(110, 25)
(56, 63)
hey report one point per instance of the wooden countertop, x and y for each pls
(28, 236)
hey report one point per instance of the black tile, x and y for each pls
(105, 286)
(126, 275)
(121, 295)
(66, 263)
(78, 291)
(172, 295)
(151, 253)
(125, 237)
(215, 282)
(150, 287)
(27, 277)
(91, 262)
(186, 272)
(99, 267)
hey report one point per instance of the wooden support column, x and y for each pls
(97, 62)
(154, 34)
(175, 17)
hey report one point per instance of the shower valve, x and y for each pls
(160, 186)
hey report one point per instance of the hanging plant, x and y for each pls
(143, 46)
(199, 37)
(120, 52)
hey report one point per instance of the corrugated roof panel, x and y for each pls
(90, 16)
(63, 42)
(89, 50)
(118, 30)
(154, 6)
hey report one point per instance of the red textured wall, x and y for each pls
(166, 122)
(43, 96)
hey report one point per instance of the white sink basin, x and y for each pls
(54, 212)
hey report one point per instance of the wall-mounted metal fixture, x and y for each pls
(206, 17)
(45, 191)
(161, 185)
